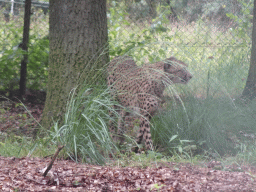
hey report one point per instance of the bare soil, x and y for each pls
(25, 174)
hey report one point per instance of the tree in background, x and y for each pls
(250, 87)
(78, 36)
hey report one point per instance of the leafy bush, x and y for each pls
(11, 55)
(215, 10)
(126, 37)
(243, 20)
(38, 62)
(36, 68)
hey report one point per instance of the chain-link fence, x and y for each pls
(16, 28)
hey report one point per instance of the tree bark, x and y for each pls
(250, 87)
(78, 36)
(24, 46)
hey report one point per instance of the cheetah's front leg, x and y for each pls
(149, 108)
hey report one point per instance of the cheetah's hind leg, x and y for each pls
(144, 133)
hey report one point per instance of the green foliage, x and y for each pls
(126, 38)
(38, 62)
(36, 68)
(243, 20)
(139, 10)
(220, 8)
(136, 10)
(157, 187)
(16, 146)
(216, 10)
(11, 55)
(144, 42)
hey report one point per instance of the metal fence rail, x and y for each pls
(14, 5)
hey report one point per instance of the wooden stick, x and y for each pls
(53, 159)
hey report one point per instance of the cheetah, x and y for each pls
(139, 91)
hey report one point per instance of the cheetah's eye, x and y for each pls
(167, 66)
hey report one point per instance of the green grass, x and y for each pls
(20, 146)
(211, 123)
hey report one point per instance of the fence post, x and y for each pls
(23, 68)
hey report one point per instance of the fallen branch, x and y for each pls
(53, 159)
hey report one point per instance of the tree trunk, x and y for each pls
(250, 87)
(24, 46)
(78, 35)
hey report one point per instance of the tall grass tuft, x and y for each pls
(217, 124)
(85, 129)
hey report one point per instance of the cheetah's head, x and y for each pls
(177, 70)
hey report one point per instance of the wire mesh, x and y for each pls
(12, 48)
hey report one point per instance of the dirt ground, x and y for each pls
(25, 174)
